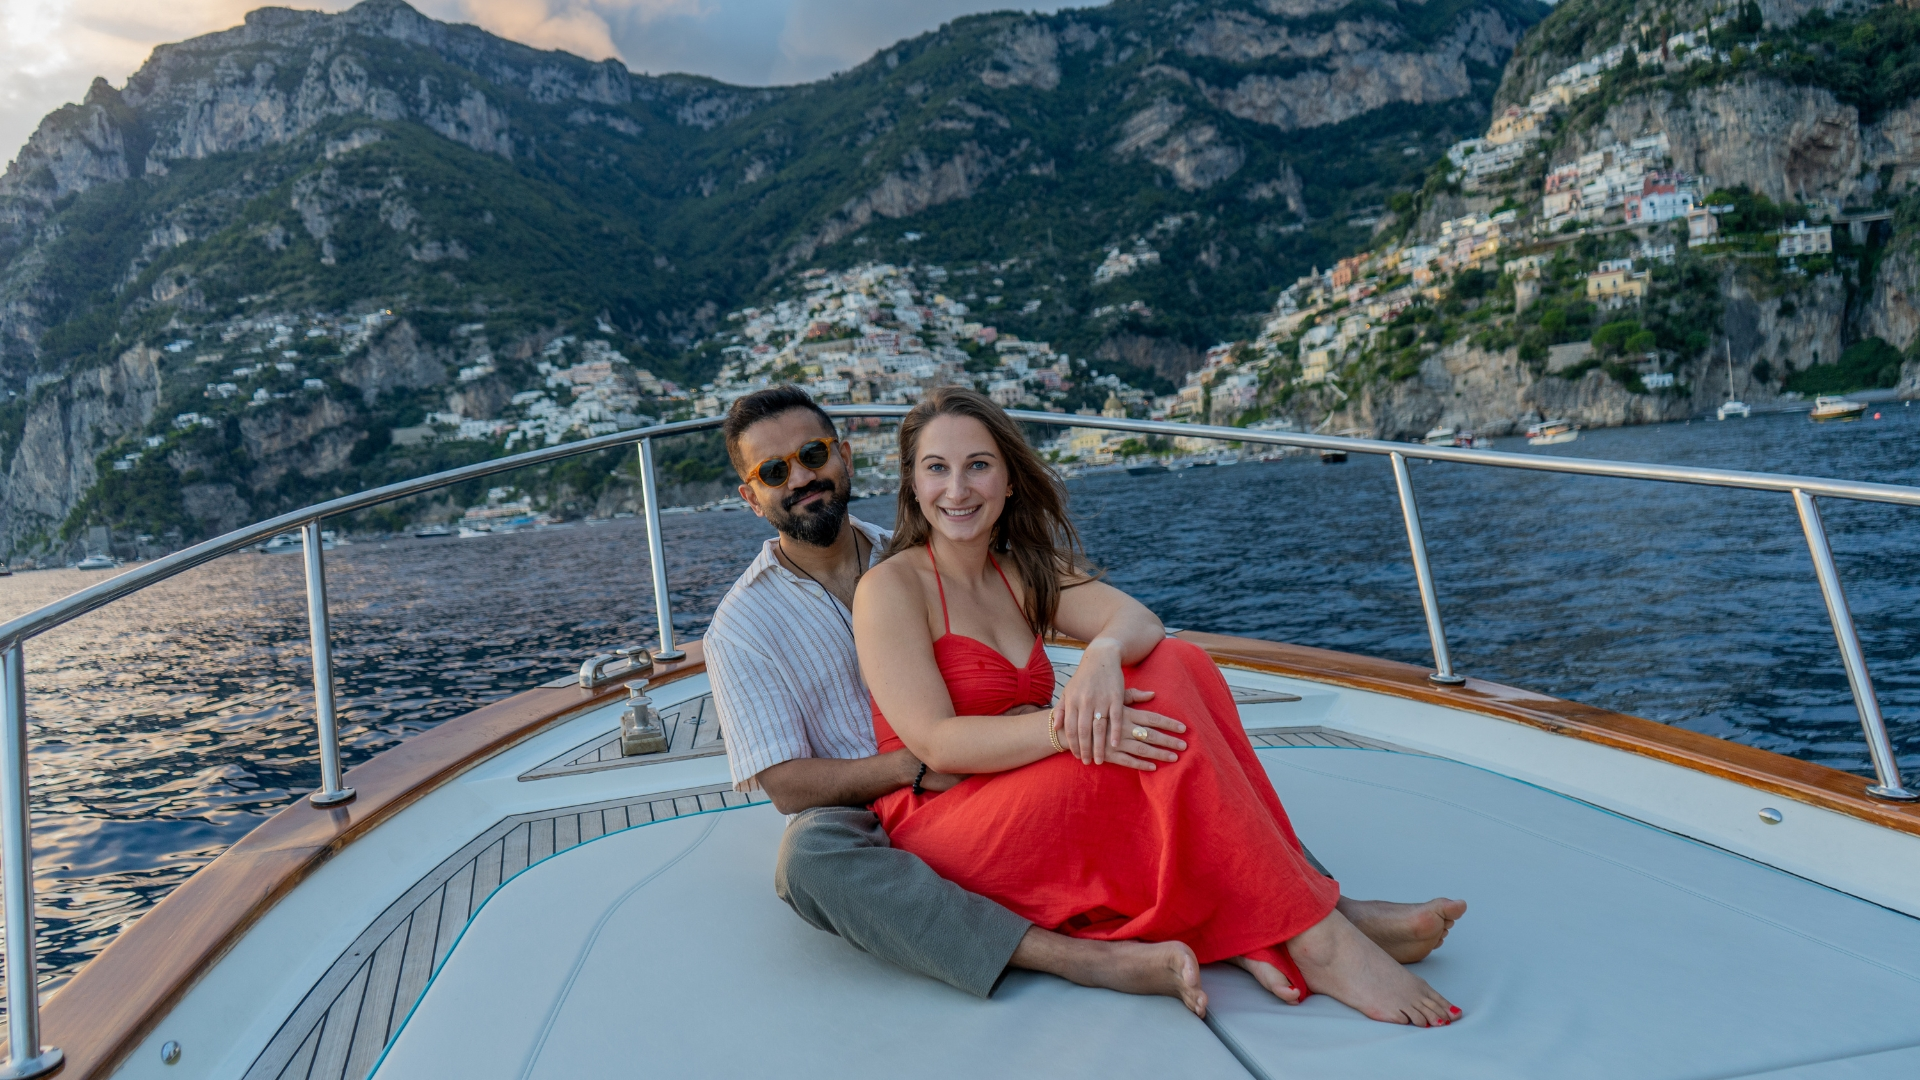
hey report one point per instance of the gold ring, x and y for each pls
(1140, 734)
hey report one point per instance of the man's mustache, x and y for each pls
(792, 500)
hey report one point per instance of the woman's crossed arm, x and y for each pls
(892, 630)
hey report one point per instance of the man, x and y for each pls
(798, 724)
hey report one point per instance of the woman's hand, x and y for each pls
(1094, 714)
(1091, 704)
(1148, 738)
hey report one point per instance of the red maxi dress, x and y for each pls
(1198, 851)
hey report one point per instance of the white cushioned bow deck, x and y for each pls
(662, 951)
(1595, 946)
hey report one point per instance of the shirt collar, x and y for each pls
(768, 559)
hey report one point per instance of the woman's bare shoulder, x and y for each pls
(896, 577)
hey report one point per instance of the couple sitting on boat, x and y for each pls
(945, 818)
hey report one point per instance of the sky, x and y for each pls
(51, 50)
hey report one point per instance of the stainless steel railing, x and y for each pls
(27, 1058)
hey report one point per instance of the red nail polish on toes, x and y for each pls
(1454, 1009)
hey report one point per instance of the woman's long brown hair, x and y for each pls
(1033, 533)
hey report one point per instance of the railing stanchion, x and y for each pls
(1886, 767)
(25, 1056)
(656, 553)
(1423, 573)
(331, 792)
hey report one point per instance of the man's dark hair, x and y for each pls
(765, 405)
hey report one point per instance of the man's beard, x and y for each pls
(819, 524)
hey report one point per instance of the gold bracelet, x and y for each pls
(1053, 731)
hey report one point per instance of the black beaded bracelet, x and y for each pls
(919, 776)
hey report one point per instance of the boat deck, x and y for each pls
(542, 907)
(1596, 947)
(340, 1028)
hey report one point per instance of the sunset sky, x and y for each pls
(51, 49)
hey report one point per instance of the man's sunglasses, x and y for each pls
(774, 471)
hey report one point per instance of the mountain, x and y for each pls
(1675, 204)
(225, 284)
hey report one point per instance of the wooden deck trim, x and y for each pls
(1802, 781)
(101, 1016)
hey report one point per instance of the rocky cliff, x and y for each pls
(52, 463)
(1795, 144)
(1496, 394)
(243, 204)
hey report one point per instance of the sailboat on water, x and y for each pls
(1733, 406)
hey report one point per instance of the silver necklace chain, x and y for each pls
(859, 570)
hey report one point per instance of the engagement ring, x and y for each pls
(1099, 716)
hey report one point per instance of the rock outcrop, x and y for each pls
(1892, 313)
(1791, 143)
(397, 359)
(67, 425)
(1494, 393)
(1357, 75)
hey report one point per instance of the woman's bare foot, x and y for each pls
(1408, 932)
(1167, 968)
(1271, 978)
(1339, 961)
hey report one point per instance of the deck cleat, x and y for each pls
(640, 729)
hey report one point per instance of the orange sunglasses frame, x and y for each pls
(754, 473)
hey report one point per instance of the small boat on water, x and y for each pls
(1551, 433)
(1146, 468)
(1733, 406)
(1440, 436)
(467, 532)
(96, 562)
(517, 892)
(1333, 457)
(433, 532)
(289, 542)
(1827, 408)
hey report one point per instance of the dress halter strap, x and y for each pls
(945, 620)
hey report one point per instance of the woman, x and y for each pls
(1088, 818)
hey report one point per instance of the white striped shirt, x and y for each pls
(786, 680)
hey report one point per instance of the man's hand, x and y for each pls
(804, 783)
(935, 781)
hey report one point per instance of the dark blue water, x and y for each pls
(167, 726)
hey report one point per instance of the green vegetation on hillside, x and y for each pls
(1867, 364)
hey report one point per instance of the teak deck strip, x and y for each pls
(104, 1012)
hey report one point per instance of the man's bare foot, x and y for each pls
(1408, 932)
(1339, 961)
(1167, 968)
(1270, 978)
